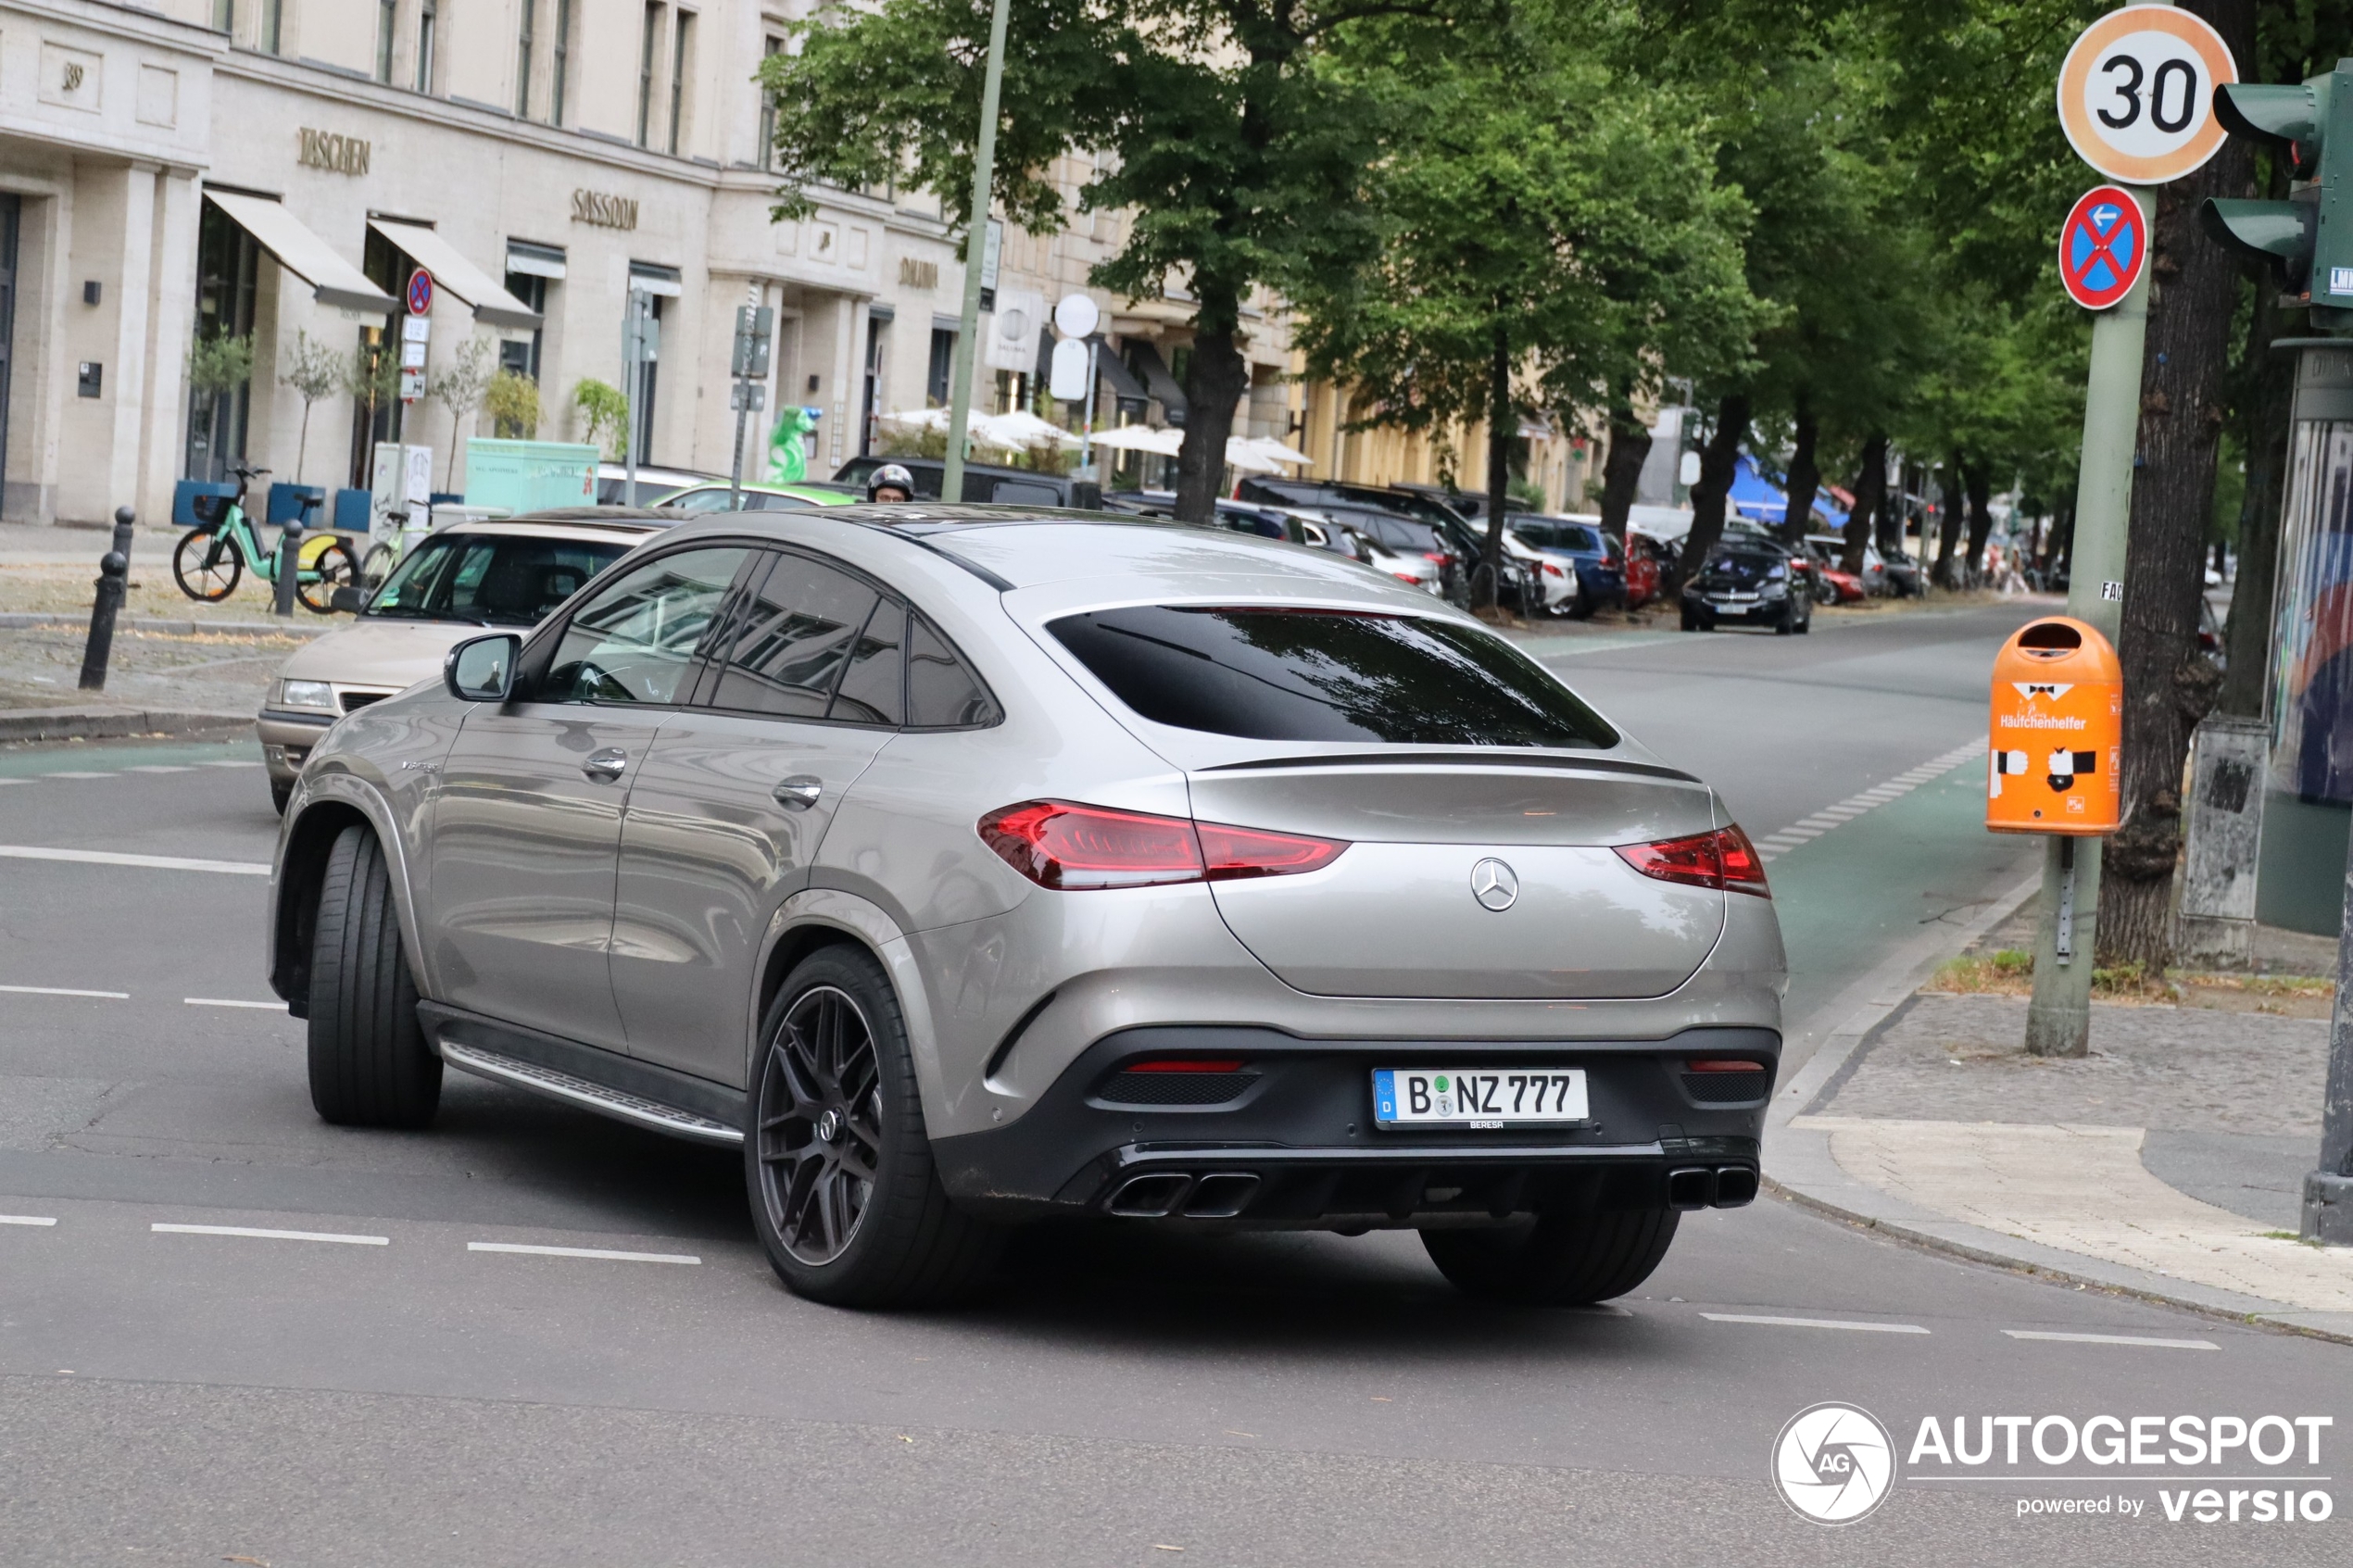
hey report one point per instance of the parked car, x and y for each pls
(1554, 579)
(971, 871)
(612, 484)
(1650, 564)
(1830, 550)
(1832, 583)
(1593, 555)
(451, 583)
(720, 497)
(983, 482)
(1459, 538)
(1752, 581)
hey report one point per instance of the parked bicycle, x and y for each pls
(386, 554)
(211, 557)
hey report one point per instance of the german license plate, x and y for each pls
(1482, 1099)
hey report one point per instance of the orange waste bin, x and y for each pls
(2057, 735)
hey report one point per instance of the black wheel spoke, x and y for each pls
(819, 1128)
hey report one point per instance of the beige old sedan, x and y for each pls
(451, 585)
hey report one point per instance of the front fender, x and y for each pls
(324, 802)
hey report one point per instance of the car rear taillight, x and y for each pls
(1071, 849)
(1712, 1064)
(1724, 859)
(1552, 568)
(1407, 577)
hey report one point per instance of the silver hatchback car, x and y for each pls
(968, 866)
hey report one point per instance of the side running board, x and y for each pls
(574, 1090)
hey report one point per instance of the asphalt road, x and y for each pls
(396, 1387)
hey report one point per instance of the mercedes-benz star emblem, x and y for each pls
(829, 1126)
(1494, 885)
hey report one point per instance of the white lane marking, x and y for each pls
(1814, 1322)
(64, 991)
(582, 1253)
(153, 862)
(2111, 1339)
(251, 763)
(1774, 846)
(224, 1002)
(26, 1220)
(162, 1229)
(160, 767)
(73, 775)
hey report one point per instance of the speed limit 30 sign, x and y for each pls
(2136, 93)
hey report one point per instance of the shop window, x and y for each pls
(943, 367)
(877, 338)
(376, 410)
(522, 355)
(227, 262)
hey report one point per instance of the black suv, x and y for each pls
(1460, 539)
(983, 481)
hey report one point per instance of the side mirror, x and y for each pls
(482, 669)
(347, 601)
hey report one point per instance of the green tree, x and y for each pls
(512, 403)
(315, 372)
(1550, 239)
(1207, 120)
(461, 389)
(604, 415)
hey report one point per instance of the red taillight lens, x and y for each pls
(1174, 1065)
(1440, 557)
(1723, 1064)
(1072, 848)
(1724, 859)
(1234, 853)
(1553, 569)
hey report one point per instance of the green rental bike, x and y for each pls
(211, 557)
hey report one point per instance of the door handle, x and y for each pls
(800, 792)
(604, 766)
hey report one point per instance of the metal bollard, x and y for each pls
(114, 575)
(289, 566)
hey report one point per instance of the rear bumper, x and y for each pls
(1293, 1144)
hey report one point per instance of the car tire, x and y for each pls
(280, 791)
(1690, 621)
(1566, 1259)
(369, 1065)
(834, 1044)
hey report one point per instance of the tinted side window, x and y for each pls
(1315, 676)
(634, 640)
(1025, 492)
(789, 639)
(942, 691)
(872, 688)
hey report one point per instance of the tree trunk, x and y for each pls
(1718, 461)
(2167, 686)
(1503, 424)
(1870, 490)
(1805, 474)
(1215, 378)
(1630, 448)
(1977, 490)
(2268, 380)
(1948, 522)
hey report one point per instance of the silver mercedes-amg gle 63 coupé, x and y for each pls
(971, 866)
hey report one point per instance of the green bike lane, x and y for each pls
(1851, 899)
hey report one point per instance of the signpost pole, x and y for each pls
(960, 385)
(630, 350)
(2058, 1020)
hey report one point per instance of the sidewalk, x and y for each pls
(2168, 1163)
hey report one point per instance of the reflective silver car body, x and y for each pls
(646, 913)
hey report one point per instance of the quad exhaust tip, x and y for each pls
(1727, 1187)
(1217, 1195)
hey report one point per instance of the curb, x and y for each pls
(1804, 1171)
(12, 620)
(112, 723)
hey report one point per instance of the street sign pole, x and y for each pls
(630, 352)
(2058, 1020)
(960, 388)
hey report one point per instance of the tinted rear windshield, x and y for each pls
(1328, 675)
(491, 579)
(1561, 537)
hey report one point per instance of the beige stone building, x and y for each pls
(192, 170)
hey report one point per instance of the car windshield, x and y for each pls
(491, 579)
(1328, 675)
(1396, 534)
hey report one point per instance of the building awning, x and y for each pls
(494, 307)
(1114, 370)
(652, 277)
(534, 260)
(1157, 380)
(332, 280)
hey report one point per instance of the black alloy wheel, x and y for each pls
(820, 1125)
(845, 1197)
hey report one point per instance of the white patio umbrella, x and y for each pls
(1140, 438)
(1275, 451)
(1246, 456)
(1019, 431)
(916, 418)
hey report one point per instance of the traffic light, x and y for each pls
(2309, 236)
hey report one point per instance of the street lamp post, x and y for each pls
(959, 390)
